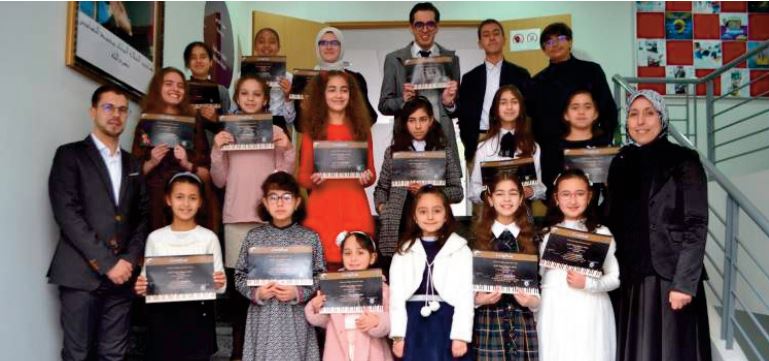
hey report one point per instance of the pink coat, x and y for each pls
(369, 346)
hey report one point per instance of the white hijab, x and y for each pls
(339, 64)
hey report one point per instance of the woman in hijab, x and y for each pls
(329, 49)
(658, 213)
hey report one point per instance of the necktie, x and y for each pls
(507, 145)
(424, 53)
(507, 242)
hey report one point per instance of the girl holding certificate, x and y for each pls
(335, 112)
(431, 284)
(658, 212)
(267, 43)
(168, 94)
(182, 330)
(276, 328)
(576, 320)
(199, 58)
(415, 131)
(504, 327)
(354, 336)
(509, 137)
(237, 172)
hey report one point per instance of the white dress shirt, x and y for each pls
(419, 145)
(493, 73)
(114, 165)
(498, 228)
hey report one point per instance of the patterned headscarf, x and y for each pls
(658, 102)
(339, 64)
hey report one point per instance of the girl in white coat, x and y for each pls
(431, 290)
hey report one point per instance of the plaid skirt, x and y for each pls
(505, 332)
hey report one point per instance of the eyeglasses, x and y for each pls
(556, 40)
(285, 197)
(334, 43)
(430, 25)
(111, 108)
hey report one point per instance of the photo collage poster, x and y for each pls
(690, 39)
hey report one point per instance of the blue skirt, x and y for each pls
(428, 338)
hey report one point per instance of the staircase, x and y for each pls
(732, 137)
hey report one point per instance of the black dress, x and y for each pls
(183, 331)
(657, 199)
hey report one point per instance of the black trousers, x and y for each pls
(95, 324)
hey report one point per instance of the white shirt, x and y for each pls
(279, 105)
(493, 73)
(488, 150)
(419, 145)
(415, 49)
(199, 240)
(114, 163)
(498, 228)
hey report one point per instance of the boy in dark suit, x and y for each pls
(99, 202)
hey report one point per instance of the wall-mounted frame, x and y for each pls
(116, 42)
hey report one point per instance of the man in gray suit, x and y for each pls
(396, 89)
(100, 204)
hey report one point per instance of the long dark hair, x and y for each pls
(284, 182)
(262, 83)
(482, 227)
(524, 140)
(555, 215)
(595, 129)
(412, 230)
(315, 110)
(153, 100)
(435, 139)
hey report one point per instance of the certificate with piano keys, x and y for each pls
(180, 278)
(429, 73)
(170, 130)
(251, 131)
(574, 250)
(419, 167)
(340, 160)
(523, 168)
(509, 272)
(302, 77)
(290, 265)
(203, 93)
(594, 162)
(269, 68)
(352, 291)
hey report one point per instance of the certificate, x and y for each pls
(171, 130)
(204, 94)
(429, 73)
(269, 68)
(251, 131)
(340, 160)
(352, 291)
(594, 162)
(302, 77)
(578, 251)
(509, 272)
(522, 167)
(419, 167)
(180, 278)
(290, 265)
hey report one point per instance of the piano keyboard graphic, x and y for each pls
(406, 183)
(506, 289)
(181, 297)
(292, 282)
(213, 105)
(296, 96)
(565, 267)
(351, 309)
(340, 175)
(431, 86)
(252, 146)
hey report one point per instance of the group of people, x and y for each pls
(115, 208)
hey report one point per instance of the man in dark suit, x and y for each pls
(480, 84)
(100, 204)
(396, 89)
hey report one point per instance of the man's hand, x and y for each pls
(121, 272)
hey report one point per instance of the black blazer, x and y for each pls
(95, 232)
(677, 211)
(472, 90)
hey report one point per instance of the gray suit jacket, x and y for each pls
(95, 230)
(393, 78)
(394, 198)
